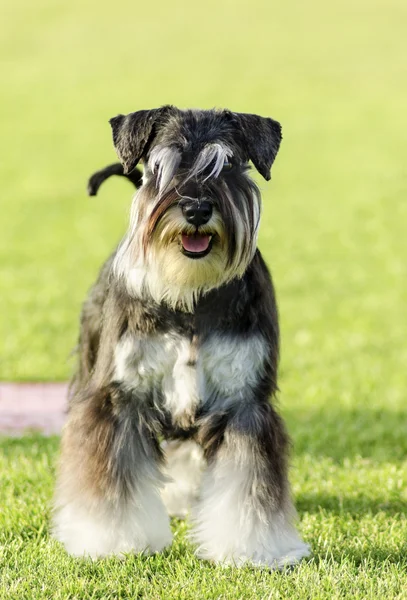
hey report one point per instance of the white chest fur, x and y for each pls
(226, 369)
(161, 362)
(231, 364)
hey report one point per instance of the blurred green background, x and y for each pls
(334, 233)
(334, 228)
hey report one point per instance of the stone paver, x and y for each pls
(32, 407)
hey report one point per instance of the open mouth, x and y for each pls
(196, 245)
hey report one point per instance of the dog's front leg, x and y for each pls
(107, 499)
(245, 514)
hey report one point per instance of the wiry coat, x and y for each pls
(153, 365)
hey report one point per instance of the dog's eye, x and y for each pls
(227, 165)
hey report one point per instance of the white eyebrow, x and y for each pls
(216, 153)
(167, 161)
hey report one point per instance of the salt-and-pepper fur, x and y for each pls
(184, 350)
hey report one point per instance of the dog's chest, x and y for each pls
(163, 364)
(185, 376)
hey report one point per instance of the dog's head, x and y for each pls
(194, 221)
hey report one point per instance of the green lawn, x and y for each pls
(351, 497)
(334, 233)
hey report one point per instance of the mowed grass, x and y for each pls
(351, 499)
(333, 233)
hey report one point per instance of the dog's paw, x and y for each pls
(87, 536)
(275, 546)
(290, 559)
(261, 560)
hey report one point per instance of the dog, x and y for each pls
(172, 401)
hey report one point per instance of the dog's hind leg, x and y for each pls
(91, 328)
(184, 465)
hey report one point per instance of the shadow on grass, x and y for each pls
(30, 443)
(374, 556)
(331, 431)
(339, 433)
(343, 505)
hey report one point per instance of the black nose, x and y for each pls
(197, 213)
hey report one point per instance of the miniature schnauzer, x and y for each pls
(171, 404)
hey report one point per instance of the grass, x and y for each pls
(333, 233)
(353, 513)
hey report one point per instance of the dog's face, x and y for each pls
(194, 222)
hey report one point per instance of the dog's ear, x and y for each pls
(262, 138)
(133, 133)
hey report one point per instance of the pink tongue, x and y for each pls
(196, 242)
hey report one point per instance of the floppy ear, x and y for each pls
(262, 137)
(133, 133)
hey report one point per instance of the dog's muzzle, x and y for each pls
(198, 213)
